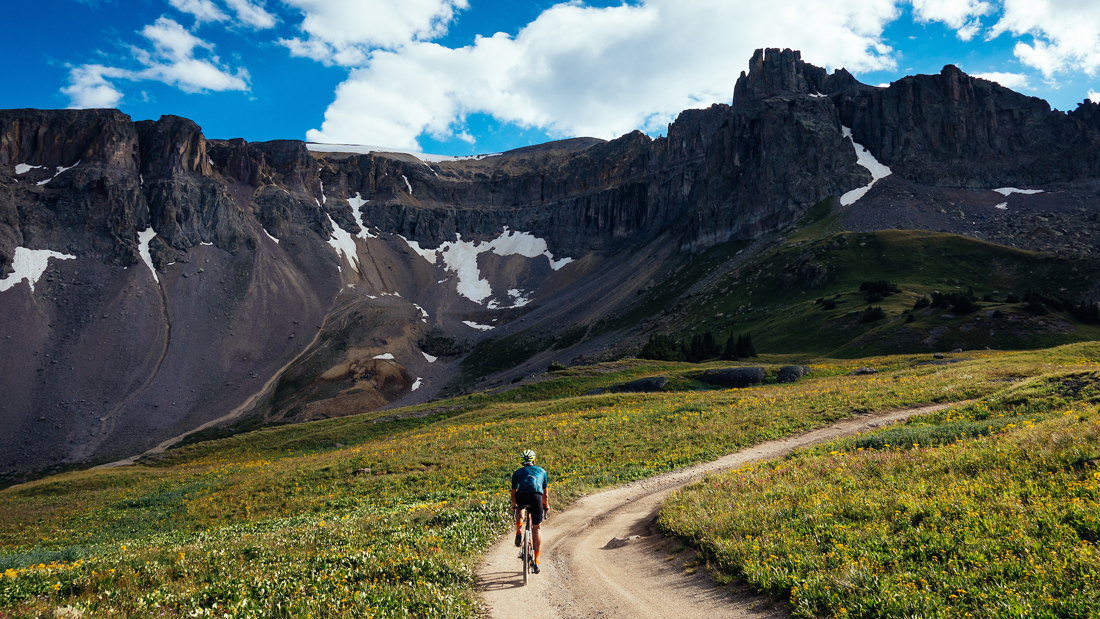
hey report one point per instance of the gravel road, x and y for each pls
(602, 557)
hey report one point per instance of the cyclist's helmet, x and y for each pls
(528, 455)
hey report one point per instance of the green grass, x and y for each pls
(276, 522)
(987, 510)
(774, 298)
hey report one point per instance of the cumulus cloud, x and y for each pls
(252, 14)
(1065, 33)
(1094, 96)
(579, 70)
(963, 16)
(1008, 80)
(248, 13)
(88, 87)
(343, 32)
(202, 10)
(172, 60)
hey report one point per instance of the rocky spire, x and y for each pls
(774, 72)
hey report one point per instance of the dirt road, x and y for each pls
(601, 559)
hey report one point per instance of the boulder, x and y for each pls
(862, 372)
(734, 377)
(648, 384)
(791, 373)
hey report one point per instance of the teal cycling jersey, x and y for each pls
(530, 478)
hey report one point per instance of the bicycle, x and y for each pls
(527, 549)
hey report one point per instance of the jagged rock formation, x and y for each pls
(213, 278)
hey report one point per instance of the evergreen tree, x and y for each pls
(711, 349)
(730, 353)
(661, 348)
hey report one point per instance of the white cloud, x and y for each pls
(89, 88)
(1066, 34)
(959, 15)
(202, 10)
(579, 70)
(252, 14)
(1014, 81)
(1094, 96)
(343, 32)
(172, 61)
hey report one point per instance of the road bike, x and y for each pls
(527, 550)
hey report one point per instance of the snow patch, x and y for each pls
(1003, 206)
(460, 257)
(1008, 191)
(205, 244)
(22, 168)
(865, 159)
(357, 203)
(385, 357)
(323, 198)
(407, 184)
(818, 95)
(423, 313)
(427, 254)
(269, 234)
(430, 358)
(30, 264)
(417, 384)
(344, 244)
(210, 161)
(60, 169)
(144, 237)
(519, 298)
(474, 325)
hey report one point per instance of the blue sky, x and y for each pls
(476, 76)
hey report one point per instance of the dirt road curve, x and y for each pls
(594, 566)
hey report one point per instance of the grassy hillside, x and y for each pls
(990, 509)
(803, 295)
(386, 514)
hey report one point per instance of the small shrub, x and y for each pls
(872, 314)
(910, 318)
(962, 304)
(555, 367)
(829, 304)
(922, 302)
(1011, 298)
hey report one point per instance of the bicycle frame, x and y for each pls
(527, 552)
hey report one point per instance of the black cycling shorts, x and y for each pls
(533, 502)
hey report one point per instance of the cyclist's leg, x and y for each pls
(537, 515)
(519, 525)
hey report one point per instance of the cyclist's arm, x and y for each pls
(515, 505)
(546, 497)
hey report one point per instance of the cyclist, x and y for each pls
(530, 490)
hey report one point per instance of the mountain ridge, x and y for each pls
(204, 266)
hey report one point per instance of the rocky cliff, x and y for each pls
(194, 280)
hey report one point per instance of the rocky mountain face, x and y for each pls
(195, 281)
